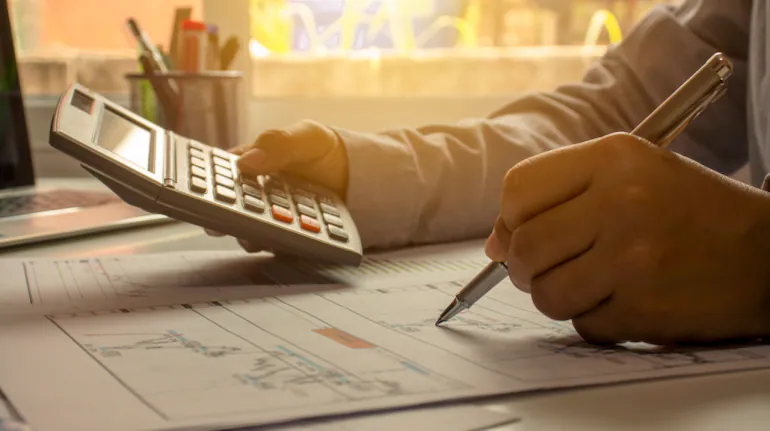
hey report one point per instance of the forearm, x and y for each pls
(443, 182)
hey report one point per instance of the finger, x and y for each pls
(604, 324)
(213, 233)
(494, 248)
(574, 288)
(250, 247)
(551, 238)
(292, 149)
(547, 180)
(240, 149)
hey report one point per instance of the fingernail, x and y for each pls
(494, 250)
(252, 160)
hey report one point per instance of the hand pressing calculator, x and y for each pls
(162, 172)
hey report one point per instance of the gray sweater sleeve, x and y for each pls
(443, 182)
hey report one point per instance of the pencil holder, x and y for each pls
(206, 106)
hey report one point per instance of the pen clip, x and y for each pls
(710, 97)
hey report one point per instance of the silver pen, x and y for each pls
(664, 123)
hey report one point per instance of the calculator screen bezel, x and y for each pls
(83, 126)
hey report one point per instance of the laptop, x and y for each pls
(32, 214)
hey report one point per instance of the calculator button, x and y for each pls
(224, 181)
(225, 195)
(221, 162)
(304, 200)
(196, 161)
(310, 224)
(306, 210)
(279, 201)
(329, 209)
(197, 145)
(198, 185)
(303, 193)
(334, 220)
(194, 152)
(337, 233)
(251, 190)
(326, 200)
(253, 204)
(221, 153)
(275, 190)
(282, 214)
(198, 171)
(223, 171)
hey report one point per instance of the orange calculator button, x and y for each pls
(282, 214)
(309, 223)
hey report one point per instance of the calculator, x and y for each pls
(164, 173)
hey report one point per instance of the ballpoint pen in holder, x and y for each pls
(703, 88)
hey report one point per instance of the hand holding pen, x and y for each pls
(628, 240)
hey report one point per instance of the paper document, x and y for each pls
(452, 418)
(284, 352)
(48, 285)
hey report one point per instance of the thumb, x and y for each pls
(307, 149)
(300, 144)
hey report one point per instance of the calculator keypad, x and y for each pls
(197, 171)
(225, 194)
(218, 161)
(225, 172)
(337, 233)
(224, 181)
(329, 209)
(309, 224)
(250, 190)
(277, 200)
(282, 214)
(198, 184)
(307, 210)
(197, 161)
(254, 204)
(305, 201)
(213, 168)
(334, 220)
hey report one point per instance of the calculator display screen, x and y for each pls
(125, 138)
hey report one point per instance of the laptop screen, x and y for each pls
(15, 160)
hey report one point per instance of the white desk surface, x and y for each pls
(739, 401)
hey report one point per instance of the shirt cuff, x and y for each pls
(383, 188)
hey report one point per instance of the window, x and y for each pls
(58, 41)
(391, 47)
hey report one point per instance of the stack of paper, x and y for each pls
(212, 340)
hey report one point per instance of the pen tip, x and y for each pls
(454, 308)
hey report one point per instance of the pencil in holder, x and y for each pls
(202, 106)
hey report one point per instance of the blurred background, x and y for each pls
(361, 64)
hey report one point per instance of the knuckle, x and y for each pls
(547, 301)
(622, 151)
(629, 204)
(307, 124)
(636, 195)
(620, 142)
(641, 259)
(522, 244)
(631, 199)
(554, 296)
